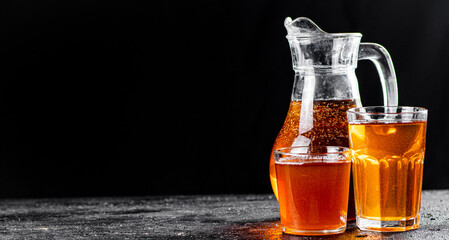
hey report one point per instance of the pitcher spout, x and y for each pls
(302, 26)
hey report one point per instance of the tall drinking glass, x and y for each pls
(387, 146)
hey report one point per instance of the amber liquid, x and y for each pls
(313, 196)
(330, 128)
(387, 168)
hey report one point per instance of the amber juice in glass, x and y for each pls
(387, 147)
(313, 187)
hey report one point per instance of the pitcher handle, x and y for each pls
(384, 65)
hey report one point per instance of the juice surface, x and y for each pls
(387, 169)
(313, 196)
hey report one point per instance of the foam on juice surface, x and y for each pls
(299, 160)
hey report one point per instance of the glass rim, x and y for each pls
(323, 36)
(410, 110)
(340, 150)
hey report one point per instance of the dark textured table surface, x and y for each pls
(183, 217)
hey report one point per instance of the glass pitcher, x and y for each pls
(325, 86)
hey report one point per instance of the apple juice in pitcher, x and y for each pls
(330, 128)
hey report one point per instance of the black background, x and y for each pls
(185, 97)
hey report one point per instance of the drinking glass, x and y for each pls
(387, 147)
(313, 189)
